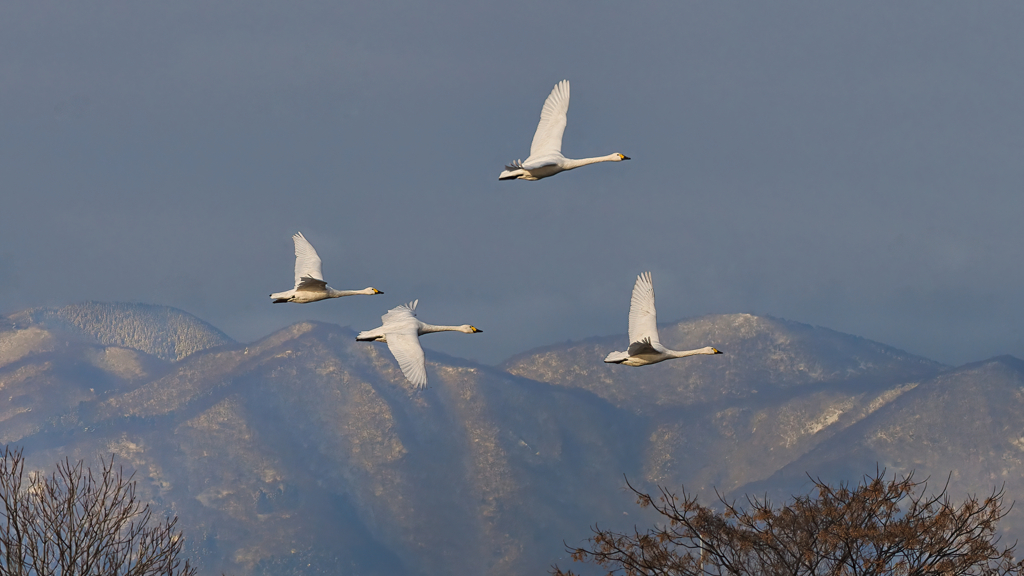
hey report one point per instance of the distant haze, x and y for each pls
(858, 166)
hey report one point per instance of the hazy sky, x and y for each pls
(854, 165)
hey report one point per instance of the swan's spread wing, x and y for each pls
(548, 137)
(643, 319)
(308, 284)
(401, 315)
(642, 347)
(307, 263)
(405, 346)
(401, 328)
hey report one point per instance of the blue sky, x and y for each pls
(856, 166)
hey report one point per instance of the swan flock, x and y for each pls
(400, 329)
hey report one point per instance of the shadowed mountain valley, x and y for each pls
(966, 424)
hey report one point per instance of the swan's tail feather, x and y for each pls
(279, 301)
(512, 171)
(370, 336)
(616, 357)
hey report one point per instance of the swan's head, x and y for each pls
(469, 329)
(711, 350)
(372, 290)
(621, 157)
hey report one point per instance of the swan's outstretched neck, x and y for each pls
(332, 293)
(428, 328)
(569, 163)
(685, 353)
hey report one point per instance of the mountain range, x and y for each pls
(308, 453)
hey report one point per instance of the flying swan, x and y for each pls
(309, 280)
(546, 151)
(644, 345)
(401, 330)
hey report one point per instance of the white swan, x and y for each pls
(309, 280)
(644, 345)
(546, 151)
(402, 330)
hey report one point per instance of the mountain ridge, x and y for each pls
(162, 331)
(306, 452)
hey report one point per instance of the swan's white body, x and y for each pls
(546, 150)
(309, 280)
(401, 330)
(644, 344)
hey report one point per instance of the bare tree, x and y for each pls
(878, 527)
(73, 523)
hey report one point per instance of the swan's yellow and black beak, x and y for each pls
(717, 351)
(475, 329)
(624, 157)
(375, 291)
